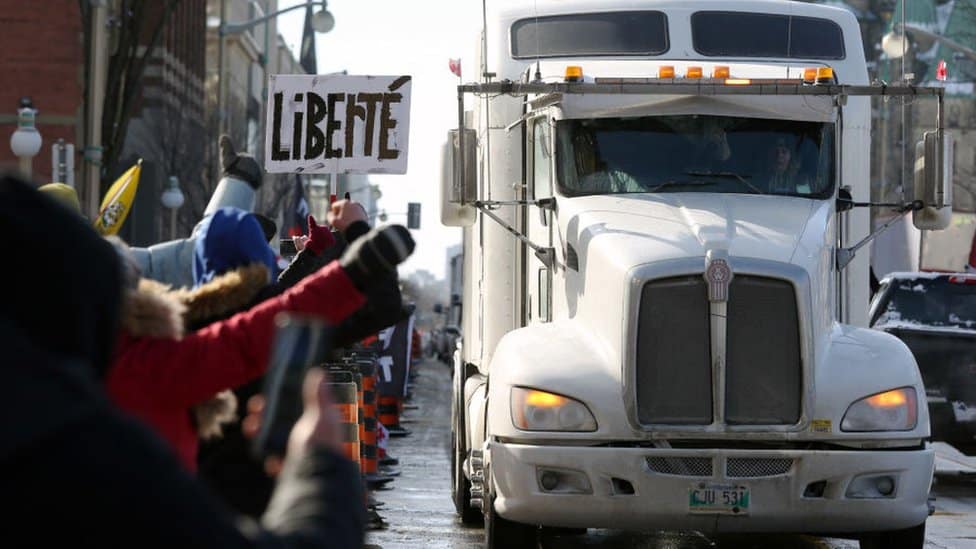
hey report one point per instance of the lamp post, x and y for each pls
(322, 22)
(25, 142)
(895, 44)
(172, 198)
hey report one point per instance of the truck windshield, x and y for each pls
(696, 153)
(921, 302)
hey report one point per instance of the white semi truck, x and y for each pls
(664, 309)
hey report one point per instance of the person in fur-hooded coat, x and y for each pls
(159, 374)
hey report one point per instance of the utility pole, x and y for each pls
(97, 67)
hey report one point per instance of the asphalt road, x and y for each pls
(419, 513)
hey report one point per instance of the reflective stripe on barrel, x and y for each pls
(347, 403)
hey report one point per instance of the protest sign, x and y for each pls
(337, 123)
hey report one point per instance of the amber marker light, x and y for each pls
(665, 71)
(694, 72)
(720, 71)
(810, 75)
(825, 75)
(889, 399)
(542, 399)
(574, 73)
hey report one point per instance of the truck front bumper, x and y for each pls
(801, 491)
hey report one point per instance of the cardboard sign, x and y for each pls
(337, 123)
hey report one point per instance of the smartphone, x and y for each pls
(299, 343)
(287, 247)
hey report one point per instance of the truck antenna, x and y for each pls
(538, 73)
(484, 38)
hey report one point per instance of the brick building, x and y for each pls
(43, 58)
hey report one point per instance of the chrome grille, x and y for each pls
(757, 467)
(674, 374)
(681, 466)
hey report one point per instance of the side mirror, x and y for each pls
(933, 181)
(459, 190)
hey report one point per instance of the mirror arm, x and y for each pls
(844, 256)
(896, 206)
(546, 255)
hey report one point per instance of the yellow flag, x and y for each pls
(118, 201)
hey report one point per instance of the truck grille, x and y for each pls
(763, 373)
(674, 375)
(763, 379)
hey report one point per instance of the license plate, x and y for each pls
(726, 499)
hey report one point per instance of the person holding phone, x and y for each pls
(80, 472)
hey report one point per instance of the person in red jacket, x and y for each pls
(158, 374)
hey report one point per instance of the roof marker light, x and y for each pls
(574, 73)
(809, 75)
(825, 75)
(694, 72)
(665, 71)
(720, 71)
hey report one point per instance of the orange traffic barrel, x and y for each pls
(370, 458)
(388, 411)
(346, 396)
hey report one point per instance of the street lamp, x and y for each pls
(172, 198)
(322, 22)
(898, 42)
(895, 44)
(25, 142)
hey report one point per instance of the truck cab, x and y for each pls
(664, 320)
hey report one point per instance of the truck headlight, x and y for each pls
(894, 410)
(534, 410)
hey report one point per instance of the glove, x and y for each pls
(239, 165)
(373, 257)
(319, 237)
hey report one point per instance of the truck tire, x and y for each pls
(501, 533)
(460, 485)
(461, 488)
(909, 538)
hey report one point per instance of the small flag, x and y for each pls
(941, 71)
(455, 66)
(295, 219)
(118, 201)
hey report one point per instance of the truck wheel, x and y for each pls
(461, 488)
(909, 538)
(460, 485)
(502, 533)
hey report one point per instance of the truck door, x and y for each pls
(538, 223)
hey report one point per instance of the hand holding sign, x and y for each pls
(338, 124)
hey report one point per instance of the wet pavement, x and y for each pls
(419, 513)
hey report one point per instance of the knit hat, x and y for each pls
(227, 239)
(64, 194)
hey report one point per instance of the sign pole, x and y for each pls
(333, 184)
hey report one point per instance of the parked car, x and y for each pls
(935, 315)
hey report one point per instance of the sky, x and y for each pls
(392, 37)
